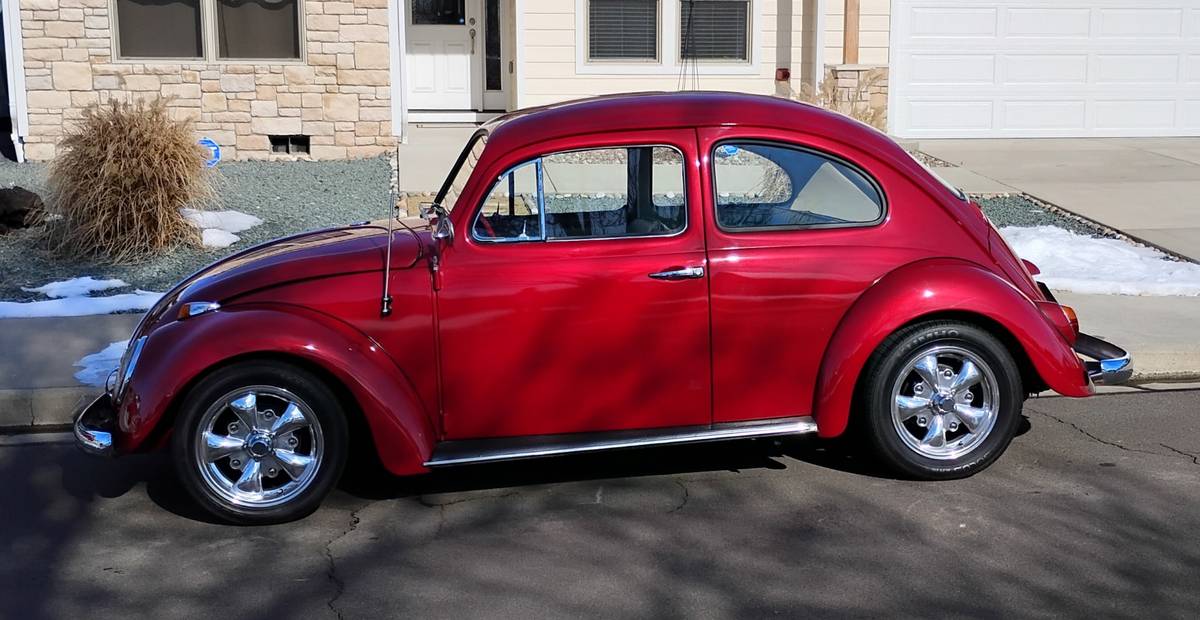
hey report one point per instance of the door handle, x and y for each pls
(472, 40)
(679, 273)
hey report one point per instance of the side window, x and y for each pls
(765, 186)
(596, 193)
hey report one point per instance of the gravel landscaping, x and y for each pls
(1019, 210)
(289, 197)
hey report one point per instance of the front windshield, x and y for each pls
(463, 168)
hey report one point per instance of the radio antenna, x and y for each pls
(393, 198)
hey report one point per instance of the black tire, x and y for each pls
(309, 389)
(882, 374)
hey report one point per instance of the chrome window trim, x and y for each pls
(884, 210)
(687, 221)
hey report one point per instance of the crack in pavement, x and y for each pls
(1105, 441)
(339, 585)
(1195, 457)
(683, 502)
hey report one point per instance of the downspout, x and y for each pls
(817, 53)
(398, 70)
(14, 49)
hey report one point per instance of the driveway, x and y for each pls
(1091, 513)
(1145, 187)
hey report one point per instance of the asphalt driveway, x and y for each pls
(1091, 513)
(1145, 187)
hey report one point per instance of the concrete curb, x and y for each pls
(43, 408)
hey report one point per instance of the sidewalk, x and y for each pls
(1144, 187)
(38, 387)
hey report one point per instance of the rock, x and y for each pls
(16, 206)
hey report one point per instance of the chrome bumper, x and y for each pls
(94, 426)
(1109, 364)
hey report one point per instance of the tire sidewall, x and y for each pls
(310, 389)
(879, 400)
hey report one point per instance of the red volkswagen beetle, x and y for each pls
(619, 272)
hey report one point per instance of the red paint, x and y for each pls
(572, 336)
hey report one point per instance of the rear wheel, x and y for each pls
(943, 400)
(260, 442)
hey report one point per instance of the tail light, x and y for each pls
(1062, 317)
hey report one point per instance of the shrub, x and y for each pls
(856, 104)
(121, 176)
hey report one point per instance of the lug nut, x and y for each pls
(947, 374)
(967, 396)
(953, 426)
(922, 421)
(293, 442)
(235, 463)
(272, 472)
(269, 414)
(233, 428)
(918, 388)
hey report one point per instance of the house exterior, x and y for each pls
(331, 79)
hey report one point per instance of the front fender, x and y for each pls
(926, 288)
(177, 353)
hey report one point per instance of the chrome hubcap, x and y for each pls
(945, 402)
(253, 457)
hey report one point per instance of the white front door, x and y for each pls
(1038, 68)
(453, 54)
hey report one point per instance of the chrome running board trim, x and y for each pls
(465, 451)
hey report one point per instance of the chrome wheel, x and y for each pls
(945, 402)
(259, 447)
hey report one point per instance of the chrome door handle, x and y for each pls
(472, 40)
(679, 273)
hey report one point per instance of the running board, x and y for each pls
(465, 451)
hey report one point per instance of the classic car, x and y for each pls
(611, 273)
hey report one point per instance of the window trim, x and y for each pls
(209, 41)
(670, 63)
(884, 205)
(687, 221)
(658, 39)
(750, 41)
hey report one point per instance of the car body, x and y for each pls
(701, 266)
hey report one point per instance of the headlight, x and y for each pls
(128, 363)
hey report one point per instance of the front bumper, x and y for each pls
(94, 426)
(1109, 364)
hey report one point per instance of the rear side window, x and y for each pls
(774, 186)
(592, 194)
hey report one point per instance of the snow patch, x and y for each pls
(75, 287)
(97, 366)
(1082, 264)
(219, 226)
(79, 306)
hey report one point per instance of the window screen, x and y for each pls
(714, 29)
(599, 193)
(258, 29)
(158, 29)
(623, 29)
(764, 186)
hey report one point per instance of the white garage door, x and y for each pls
(999, 68)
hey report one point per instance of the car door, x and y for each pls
(796, 234)
(574, 298)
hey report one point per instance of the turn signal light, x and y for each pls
(1072, 318)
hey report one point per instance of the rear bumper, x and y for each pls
(94, 426)
(1108, 363)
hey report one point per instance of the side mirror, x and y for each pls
(443, 228)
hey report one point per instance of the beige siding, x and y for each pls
(874, 28)
(550, 71)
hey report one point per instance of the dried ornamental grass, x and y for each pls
(856, 104)
(121, 176)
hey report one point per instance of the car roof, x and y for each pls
(665, 110)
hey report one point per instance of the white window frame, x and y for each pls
(669, 48)
(209, 43)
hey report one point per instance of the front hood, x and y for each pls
(318, 254)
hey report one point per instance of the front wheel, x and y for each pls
(260, 442)
(943, 400)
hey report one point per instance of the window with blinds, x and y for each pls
(623, 29)
(714, 29)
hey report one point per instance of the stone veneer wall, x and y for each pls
(865, 85)
(339, 95)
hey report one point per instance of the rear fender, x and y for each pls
(178, 353)
(927, 288)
